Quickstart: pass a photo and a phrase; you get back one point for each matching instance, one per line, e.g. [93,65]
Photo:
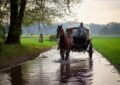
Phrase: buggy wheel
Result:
[90,51]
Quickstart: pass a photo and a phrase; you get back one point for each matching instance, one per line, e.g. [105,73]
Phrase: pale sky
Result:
[96,11]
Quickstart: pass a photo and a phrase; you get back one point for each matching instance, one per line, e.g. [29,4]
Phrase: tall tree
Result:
[17,8]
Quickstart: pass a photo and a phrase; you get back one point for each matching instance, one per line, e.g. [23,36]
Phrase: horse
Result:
[65,43]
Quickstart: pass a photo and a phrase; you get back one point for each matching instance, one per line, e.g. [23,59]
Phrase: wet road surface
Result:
[48,69]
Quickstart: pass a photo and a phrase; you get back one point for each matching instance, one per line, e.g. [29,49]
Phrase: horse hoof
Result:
[62,58]
[66,59]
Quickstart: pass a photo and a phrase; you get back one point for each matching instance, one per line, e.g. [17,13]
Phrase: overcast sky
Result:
[96,11]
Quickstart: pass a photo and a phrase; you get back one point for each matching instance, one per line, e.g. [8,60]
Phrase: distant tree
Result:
[104,31]
[114,28]
[111,29]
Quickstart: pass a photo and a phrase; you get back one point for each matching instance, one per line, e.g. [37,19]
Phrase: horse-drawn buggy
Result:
[75,41]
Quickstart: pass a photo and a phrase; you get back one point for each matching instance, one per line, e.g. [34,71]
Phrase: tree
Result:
[4,17]
[46,14]
[17,8]
[104,31]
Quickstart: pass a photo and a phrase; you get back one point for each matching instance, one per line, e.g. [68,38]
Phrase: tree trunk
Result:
[41,34]
[17,12]
[41,38]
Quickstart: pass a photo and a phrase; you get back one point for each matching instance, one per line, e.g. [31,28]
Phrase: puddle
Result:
[48,69]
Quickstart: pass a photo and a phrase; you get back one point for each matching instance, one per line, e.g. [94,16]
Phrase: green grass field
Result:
[29,46]
[109,47]
[34,42]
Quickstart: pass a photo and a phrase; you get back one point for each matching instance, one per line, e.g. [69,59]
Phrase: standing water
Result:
[48,69]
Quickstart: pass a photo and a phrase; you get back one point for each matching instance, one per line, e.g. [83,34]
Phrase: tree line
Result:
[110,29]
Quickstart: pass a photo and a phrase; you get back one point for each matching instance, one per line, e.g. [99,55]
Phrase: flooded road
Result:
[48,69]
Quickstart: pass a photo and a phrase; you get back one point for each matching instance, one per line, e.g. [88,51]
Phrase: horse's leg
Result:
[67,53]
[62,54]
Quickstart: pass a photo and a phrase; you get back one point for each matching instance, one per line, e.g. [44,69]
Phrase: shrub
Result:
[52,38]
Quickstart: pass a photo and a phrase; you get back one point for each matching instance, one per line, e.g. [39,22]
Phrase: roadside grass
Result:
[109,47]
[33,42]
[28,47]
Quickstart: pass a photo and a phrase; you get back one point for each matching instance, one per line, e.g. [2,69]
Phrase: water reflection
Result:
[16,76]
[74,72]
[79,73]
[64,72]
[79,70]
[90,64]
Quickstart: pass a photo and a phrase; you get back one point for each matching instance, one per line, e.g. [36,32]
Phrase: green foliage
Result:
[4,15]
[46,11]
[2,34]
[109,47]
[52,38]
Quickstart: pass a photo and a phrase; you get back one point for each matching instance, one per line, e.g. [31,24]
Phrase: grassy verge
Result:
[28,47]
[110,48]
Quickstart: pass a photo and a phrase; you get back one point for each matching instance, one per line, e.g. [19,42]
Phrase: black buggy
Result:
[81,43]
